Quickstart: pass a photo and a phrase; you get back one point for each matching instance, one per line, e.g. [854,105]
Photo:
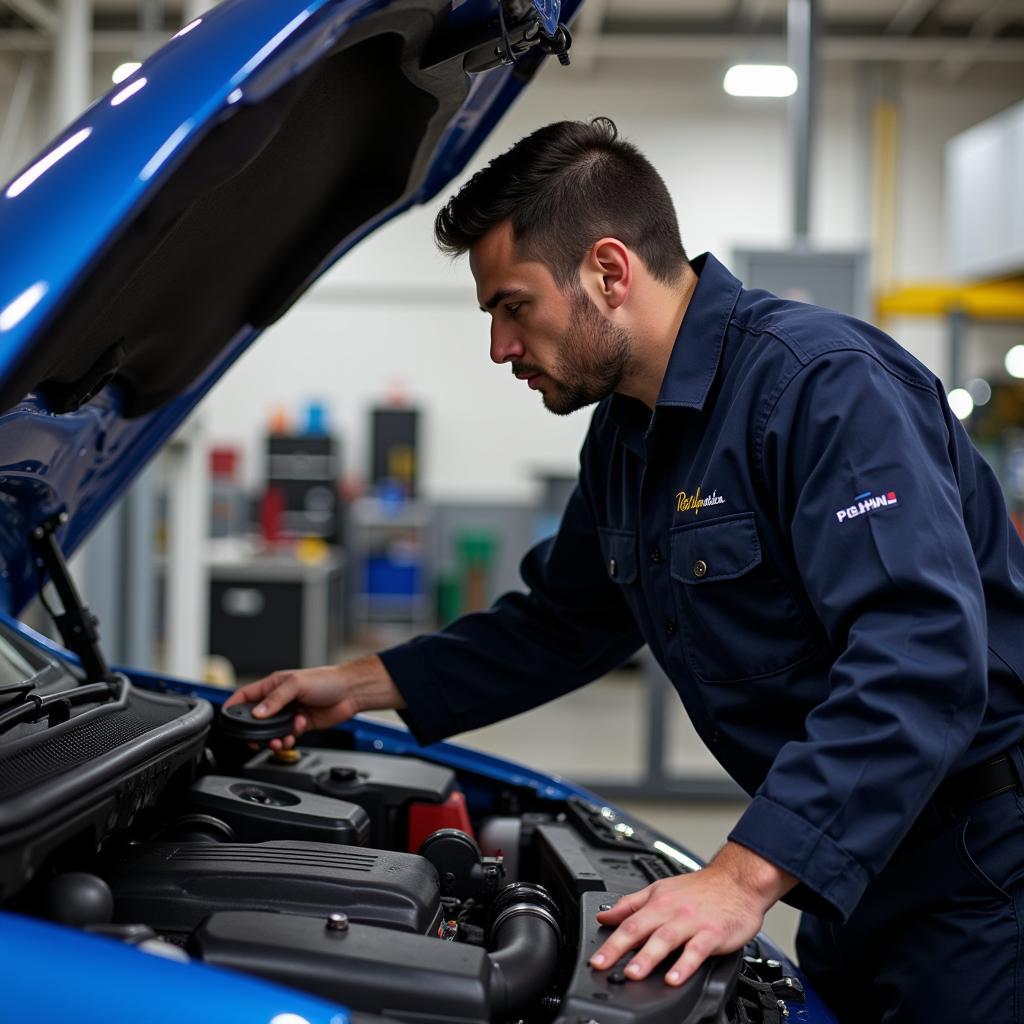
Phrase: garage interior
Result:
[364,473]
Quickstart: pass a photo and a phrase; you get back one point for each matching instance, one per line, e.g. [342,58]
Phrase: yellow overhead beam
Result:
[989,300]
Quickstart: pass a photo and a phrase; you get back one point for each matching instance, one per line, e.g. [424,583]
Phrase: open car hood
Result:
[191,206]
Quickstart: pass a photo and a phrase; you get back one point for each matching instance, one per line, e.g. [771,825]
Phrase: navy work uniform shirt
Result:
[817,556]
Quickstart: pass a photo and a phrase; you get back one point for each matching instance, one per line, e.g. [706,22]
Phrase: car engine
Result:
[388,884]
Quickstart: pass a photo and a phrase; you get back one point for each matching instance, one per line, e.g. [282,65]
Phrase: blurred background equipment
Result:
[305,467]
[275,612]
[389,546]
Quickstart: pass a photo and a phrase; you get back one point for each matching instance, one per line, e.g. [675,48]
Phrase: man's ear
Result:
[608,268]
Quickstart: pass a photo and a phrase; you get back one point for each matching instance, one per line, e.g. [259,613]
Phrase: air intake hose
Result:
[523,938]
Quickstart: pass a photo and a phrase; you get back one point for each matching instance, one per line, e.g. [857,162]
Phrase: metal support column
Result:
[100,579]
[139,576]
[186,578]
[72,62]
[151,28]
[802,48]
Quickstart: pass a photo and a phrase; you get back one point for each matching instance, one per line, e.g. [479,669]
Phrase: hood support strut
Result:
[77,625]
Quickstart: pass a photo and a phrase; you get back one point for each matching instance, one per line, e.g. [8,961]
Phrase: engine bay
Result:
[391,885]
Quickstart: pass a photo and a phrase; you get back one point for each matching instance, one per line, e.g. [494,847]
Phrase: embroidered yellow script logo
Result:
[694,502]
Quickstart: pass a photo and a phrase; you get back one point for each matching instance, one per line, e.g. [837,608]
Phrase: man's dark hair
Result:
[563,187]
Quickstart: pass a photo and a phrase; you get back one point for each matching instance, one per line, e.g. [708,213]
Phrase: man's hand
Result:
[716,910]
[326,696]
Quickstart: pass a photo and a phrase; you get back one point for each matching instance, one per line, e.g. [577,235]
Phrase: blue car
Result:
[153,865]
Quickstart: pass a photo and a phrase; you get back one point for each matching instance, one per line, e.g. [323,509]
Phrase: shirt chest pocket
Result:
[738,620]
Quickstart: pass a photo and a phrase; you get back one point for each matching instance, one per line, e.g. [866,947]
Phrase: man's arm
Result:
[326,695]
[897,588]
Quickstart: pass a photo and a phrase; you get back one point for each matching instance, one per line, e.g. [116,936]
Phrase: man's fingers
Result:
[698,949]
[631,934]
[662,942]
[277,698]
[610,952]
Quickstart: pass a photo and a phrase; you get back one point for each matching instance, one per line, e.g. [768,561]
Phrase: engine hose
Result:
[523,939]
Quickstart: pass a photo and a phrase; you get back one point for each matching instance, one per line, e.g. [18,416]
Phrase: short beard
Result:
[594,357]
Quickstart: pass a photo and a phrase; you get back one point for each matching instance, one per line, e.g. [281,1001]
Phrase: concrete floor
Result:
[598,732]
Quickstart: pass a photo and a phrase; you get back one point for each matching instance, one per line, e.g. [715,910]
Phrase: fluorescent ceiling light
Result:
[760,80]
[1015,361]
[961,403]
[123,71]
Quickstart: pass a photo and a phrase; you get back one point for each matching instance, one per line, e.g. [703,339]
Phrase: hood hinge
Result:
[514,32]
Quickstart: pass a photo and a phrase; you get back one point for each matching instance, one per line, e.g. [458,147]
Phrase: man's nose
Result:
[505,343]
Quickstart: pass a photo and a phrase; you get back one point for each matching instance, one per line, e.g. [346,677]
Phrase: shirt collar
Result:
[695,355]
[698,347]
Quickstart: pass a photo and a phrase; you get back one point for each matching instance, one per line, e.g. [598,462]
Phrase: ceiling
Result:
[947,33]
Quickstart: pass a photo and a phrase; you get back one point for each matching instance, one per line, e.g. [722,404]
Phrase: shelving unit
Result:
[392,578]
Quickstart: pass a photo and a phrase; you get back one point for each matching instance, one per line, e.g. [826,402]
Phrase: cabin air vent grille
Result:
[73,747]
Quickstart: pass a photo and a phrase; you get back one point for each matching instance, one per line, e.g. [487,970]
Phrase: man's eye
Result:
[512,308]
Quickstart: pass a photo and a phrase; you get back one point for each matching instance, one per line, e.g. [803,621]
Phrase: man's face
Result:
[558,342]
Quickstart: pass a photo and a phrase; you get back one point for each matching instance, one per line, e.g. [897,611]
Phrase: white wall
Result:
[395,312]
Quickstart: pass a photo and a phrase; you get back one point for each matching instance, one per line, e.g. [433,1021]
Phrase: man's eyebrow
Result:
[499,296]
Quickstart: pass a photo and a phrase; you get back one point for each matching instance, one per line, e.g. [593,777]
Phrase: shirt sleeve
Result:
[571,626]
[863,465]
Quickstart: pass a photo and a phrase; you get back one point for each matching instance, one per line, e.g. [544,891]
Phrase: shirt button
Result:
[613,568]
[716,737]
[656,555]
[670,627]
[700,568]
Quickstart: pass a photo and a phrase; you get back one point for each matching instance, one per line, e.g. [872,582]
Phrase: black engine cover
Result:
[173,886]
[258,811]
[415,978]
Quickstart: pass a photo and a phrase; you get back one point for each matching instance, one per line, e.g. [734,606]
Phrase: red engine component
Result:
[427,818]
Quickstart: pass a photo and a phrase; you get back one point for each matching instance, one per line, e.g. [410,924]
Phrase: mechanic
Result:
[777,499]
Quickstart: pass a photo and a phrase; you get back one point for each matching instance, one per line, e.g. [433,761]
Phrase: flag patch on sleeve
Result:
[865,503]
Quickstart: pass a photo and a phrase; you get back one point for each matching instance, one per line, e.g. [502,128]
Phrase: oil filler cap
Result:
[237,723]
